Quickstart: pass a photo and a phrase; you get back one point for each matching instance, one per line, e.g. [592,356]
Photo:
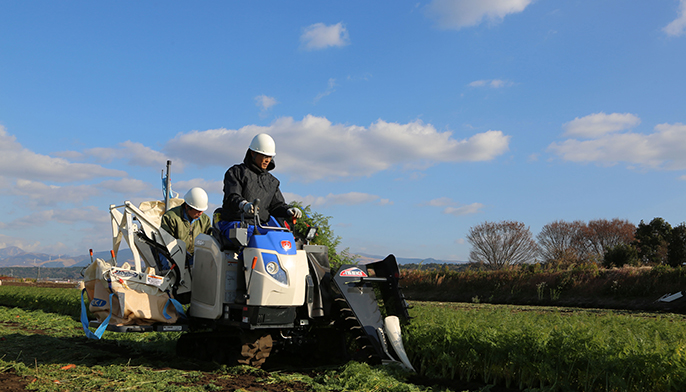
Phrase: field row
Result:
[550,349]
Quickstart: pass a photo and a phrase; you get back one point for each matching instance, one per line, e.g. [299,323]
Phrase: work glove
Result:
[295,212]
[247,207]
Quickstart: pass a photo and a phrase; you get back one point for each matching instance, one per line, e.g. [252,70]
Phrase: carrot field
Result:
[454,346]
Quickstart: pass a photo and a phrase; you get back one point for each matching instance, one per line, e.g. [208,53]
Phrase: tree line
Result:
[610,243]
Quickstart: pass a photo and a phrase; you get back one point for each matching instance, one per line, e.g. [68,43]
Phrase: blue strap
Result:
[172,194]
[177,306]
[84,320]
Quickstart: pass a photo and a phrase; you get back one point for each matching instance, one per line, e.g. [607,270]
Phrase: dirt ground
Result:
[10,381]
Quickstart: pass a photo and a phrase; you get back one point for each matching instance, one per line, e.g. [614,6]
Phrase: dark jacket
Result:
[248,182]
[176,223]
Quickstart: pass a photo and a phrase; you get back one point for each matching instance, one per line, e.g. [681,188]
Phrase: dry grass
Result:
[580,285]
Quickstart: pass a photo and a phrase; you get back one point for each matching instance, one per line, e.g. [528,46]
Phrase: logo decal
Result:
[124,273]
[286,245]
[97,302]
[353,272]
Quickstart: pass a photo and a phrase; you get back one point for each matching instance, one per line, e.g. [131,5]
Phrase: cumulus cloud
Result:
[320,36]
[678,25]
[88,214]
[126,186]
[314,148]
[451,207]
[40,194]
[18,162]
[22,243]
[458,14]
[136,154]
[209,186]
[598,124]
[664,148]
[350,198]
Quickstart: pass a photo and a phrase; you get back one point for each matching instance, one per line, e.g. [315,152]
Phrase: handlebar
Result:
[256,203]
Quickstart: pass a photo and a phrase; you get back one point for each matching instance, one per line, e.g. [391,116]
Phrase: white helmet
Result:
[263,144]
[196,198]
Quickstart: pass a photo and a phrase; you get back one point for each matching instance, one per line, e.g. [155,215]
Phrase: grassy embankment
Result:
[633,288]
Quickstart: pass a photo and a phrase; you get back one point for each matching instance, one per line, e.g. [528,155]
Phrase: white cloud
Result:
[136,154]
[458,14]
[598,124]
[18,162]
[209,186]
[677,26]
[38,193]
[314,148]
[320,36]
[126,186]
[464,210]
[265,103]
[7,241]
[220,147]
[330,89]
[350,198]
[441,202]
[140,155]
[492,83]
[88,214]
[454,208]
[665,148]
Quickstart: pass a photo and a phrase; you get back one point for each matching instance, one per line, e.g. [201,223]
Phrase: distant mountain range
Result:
[403,260]
[16,257]
[13,256]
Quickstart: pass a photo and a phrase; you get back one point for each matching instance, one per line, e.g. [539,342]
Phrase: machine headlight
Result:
[272,268]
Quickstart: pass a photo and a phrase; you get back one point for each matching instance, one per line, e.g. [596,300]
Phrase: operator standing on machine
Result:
[250,180]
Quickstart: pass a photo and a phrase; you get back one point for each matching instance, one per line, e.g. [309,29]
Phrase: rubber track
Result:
[365,352]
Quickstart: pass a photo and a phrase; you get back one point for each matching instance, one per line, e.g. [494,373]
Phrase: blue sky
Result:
[406,122]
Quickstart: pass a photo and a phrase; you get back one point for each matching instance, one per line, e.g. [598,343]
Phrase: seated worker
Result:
[250,180]
[187,221]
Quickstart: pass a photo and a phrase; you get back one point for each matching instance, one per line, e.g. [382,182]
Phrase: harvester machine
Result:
[262,292]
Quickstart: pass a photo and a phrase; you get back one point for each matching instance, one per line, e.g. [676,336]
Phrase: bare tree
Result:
[601,235]
[562,242]
[501,244]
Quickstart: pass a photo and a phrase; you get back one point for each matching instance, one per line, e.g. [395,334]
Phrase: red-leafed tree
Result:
[601,235]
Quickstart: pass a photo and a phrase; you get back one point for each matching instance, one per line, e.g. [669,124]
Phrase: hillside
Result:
[364,257]
[15,257]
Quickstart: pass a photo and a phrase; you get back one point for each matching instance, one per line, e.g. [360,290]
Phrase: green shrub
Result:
[620,255]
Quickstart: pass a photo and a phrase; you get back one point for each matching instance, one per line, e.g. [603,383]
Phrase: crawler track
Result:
[359,346]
